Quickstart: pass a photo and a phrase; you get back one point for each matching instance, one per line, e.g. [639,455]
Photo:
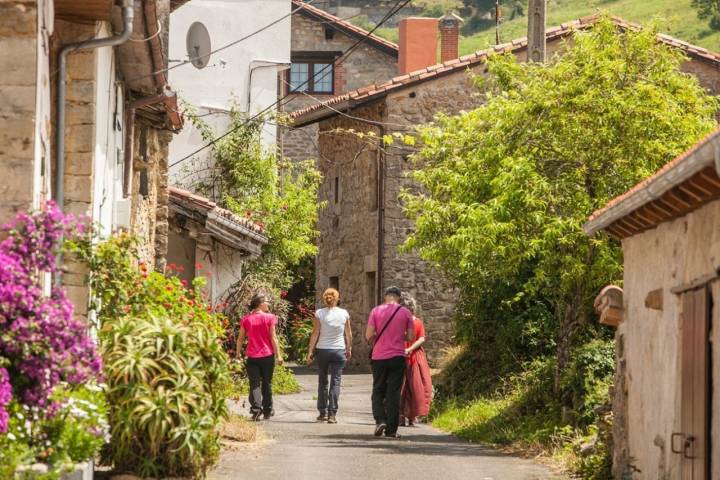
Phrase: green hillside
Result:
[679,20]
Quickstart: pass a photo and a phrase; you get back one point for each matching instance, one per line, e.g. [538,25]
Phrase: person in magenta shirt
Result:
[262,352]
[390,325]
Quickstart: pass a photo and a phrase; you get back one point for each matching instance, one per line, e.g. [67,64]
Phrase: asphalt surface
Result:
[298,448]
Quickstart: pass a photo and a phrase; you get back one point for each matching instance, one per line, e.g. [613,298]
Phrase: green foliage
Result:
[283,382]
[708,9]
[299,329]
[166,370]
[72,434]
[279,195]
[508,186]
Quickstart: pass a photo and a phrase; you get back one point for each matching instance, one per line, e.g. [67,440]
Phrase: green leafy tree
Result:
[253,181]
[708,9]
[508,186]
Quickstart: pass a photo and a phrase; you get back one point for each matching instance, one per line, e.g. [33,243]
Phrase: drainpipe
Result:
[381,219]
[262,64]
[130,132]
[128,14]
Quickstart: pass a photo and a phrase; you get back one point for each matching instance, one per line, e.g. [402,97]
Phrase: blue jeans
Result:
[332,362]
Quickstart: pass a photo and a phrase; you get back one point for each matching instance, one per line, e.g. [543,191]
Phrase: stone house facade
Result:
[359,242]
[319,38]
[118,115]
[666,396]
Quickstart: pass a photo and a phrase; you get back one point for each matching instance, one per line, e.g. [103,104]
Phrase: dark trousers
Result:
[388,377]
[260,372]
[330,361]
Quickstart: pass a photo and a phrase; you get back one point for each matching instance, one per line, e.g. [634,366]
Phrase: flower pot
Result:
[83,471]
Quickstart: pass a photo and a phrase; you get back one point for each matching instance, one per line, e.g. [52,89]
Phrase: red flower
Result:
[283,294]
[199,266]
[184,283]
[166,305]
[170,267]
[169,288]
[248,214]
[180,268]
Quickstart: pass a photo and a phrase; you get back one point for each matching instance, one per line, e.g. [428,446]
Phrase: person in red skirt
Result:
[416,393]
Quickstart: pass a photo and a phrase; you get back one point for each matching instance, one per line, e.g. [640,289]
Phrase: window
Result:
[336,190]
[334,283]
[313,72]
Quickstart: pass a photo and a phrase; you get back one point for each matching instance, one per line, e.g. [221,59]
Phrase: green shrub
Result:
[167,380]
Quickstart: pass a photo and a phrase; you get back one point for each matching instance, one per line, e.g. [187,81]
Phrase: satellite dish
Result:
[198,45]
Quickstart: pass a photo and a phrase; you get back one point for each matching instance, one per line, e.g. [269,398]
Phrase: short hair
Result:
[394,292]
[407,301]
[257,300]
[333,292]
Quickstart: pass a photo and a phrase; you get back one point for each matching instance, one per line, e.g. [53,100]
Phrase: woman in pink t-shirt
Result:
[262,351]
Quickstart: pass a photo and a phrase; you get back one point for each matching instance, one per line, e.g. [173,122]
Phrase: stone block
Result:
[78,188]
[79,296]
[81,91]
[79,138]
[18,19]
[79,163]
[16,138]
[17,100]
[17,190]
[79,113]
[81,66]
[78,208]
[18,61]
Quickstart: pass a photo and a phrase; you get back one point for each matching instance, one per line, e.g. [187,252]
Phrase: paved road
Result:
[300,449]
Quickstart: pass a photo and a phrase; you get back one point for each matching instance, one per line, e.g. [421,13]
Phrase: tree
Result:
[508,186]
[708,9]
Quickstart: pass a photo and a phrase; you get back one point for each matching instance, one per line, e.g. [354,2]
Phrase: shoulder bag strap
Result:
[386,324]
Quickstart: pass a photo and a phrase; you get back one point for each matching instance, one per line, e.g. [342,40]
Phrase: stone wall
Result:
[673,254]
[365,66]
[149,218]
[18,59]
[348,239]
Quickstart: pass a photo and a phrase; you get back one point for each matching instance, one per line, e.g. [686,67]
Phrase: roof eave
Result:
[707,155]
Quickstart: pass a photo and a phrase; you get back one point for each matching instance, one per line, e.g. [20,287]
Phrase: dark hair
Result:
[257,300]
[394,291]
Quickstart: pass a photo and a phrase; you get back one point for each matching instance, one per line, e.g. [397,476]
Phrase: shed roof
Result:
[345,27]
[223,225]
[346,101]
[686,183]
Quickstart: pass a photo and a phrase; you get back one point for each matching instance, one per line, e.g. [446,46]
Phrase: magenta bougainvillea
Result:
[5,397]
[40,341]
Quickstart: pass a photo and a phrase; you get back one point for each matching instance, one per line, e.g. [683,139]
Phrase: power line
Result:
[224,47]
[399,5]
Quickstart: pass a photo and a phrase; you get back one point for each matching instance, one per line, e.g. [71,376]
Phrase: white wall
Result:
[217,87]
[107,154]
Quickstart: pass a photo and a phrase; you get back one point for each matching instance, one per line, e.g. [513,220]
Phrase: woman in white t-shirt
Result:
[331,345]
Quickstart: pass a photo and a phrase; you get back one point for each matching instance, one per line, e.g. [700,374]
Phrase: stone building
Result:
[666,399]
[113,112]
[363,225]
[318,39]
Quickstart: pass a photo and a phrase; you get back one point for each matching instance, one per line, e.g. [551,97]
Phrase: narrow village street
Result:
[298,448]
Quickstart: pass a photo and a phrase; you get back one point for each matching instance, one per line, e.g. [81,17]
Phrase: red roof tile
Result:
[345,27]
[303,115]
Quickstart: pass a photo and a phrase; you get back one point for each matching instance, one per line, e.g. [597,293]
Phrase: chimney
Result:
[450,37]
[418,43]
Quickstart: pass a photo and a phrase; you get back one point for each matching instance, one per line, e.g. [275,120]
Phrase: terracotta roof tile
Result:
[459,64]
[345,26]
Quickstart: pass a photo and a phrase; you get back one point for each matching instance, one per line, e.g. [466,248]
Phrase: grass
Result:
[239,429]
[679,19]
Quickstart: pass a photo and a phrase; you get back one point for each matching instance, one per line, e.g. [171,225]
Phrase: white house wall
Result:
[223,83]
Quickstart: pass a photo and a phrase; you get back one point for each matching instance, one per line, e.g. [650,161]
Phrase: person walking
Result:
[331,345]
[262,352]
[416,393]
[390,325]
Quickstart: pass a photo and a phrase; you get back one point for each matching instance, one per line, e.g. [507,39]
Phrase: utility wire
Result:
[224,47]
[399,5]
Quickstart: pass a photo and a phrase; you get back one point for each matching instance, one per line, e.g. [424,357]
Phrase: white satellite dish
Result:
[198,45]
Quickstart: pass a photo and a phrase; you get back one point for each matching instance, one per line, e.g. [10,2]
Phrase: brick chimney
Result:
[418,43]
[450,37]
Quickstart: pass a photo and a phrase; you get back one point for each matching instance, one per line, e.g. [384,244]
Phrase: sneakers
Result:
[393,435]
[380,429]
[322,418]
[256,415]
[332,419]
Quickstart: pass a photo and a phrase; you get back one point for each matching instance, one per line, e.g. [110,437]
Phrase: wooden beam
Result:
[712,179]
[687,189]
[84,11]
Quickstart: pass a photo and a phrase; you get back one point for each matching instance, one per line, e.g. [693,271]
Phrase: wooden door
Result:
[693,442]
